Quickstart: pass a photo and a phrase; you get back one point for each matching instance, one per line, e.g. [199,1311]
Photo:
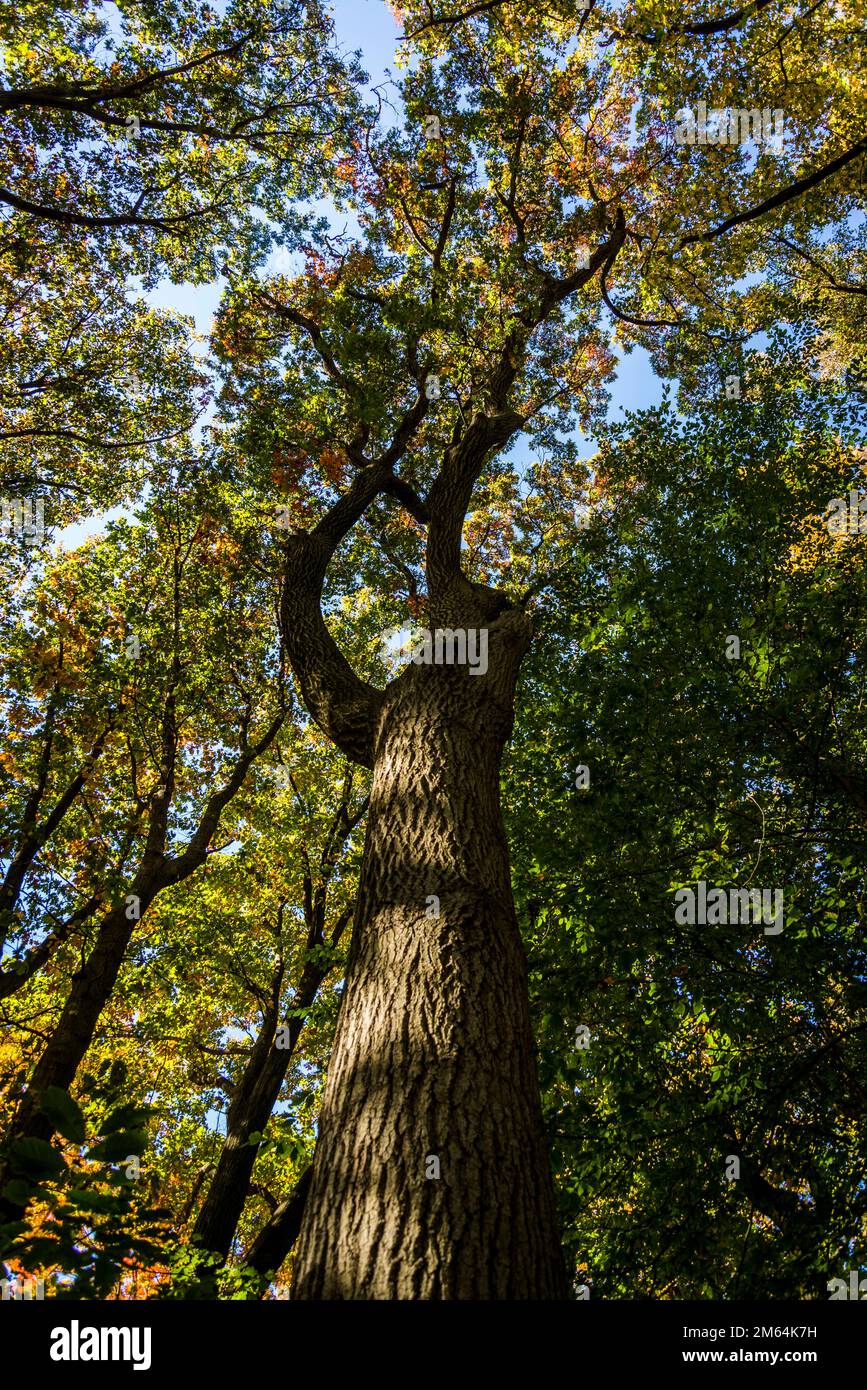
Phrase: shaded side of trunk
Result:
[431,1178]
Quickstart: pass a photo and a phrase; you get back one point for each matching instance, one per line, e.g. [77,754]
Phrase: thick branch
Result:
[129,218]
[280,1231]
[54,95]
[343,706]
[34,836]
[179,868]
[705,28]
[17,975]
[465,458]
[316,336]
[780,198]
[408,498]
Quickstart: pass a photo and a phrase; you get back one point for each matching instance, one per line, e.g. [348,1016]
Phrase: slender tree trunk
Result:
[280,1231]
[257,1093]
[249,1112]
[431,1178]
[93,983]
[91,988]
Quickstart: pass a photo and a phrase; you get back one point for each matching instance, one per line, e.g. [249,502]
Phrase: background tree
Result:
[697,767]
[119,626]
[138,142]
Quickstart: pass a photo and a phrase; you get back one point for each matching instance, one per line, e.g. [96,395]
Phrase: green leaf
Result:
[64,1114]
[126,1117]
[36,1159]
[43,1251]
[18,1192]
[92,1201]
[114,1147]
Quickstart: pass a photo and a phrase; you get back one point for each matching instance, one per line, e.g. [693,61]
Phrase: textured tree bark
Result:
[433,1068]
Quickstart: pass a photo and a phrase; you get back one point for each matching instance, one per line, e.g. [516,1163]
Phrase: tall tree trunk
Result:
[259,1086]
[431,1178]
[93,983]
[249,1112]
[91,988]
[57,1065]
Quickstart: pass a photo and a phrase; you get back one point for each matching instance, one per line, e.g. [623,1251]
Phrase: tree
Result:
[122,628]
[494,230]
[256,1091]
[129,152]
[670,1050]
[156,144]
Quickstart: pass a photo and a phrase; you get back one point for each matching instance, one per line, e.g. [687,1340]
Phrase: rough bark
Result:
[91,988]
[434,1054]
[62,1055]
